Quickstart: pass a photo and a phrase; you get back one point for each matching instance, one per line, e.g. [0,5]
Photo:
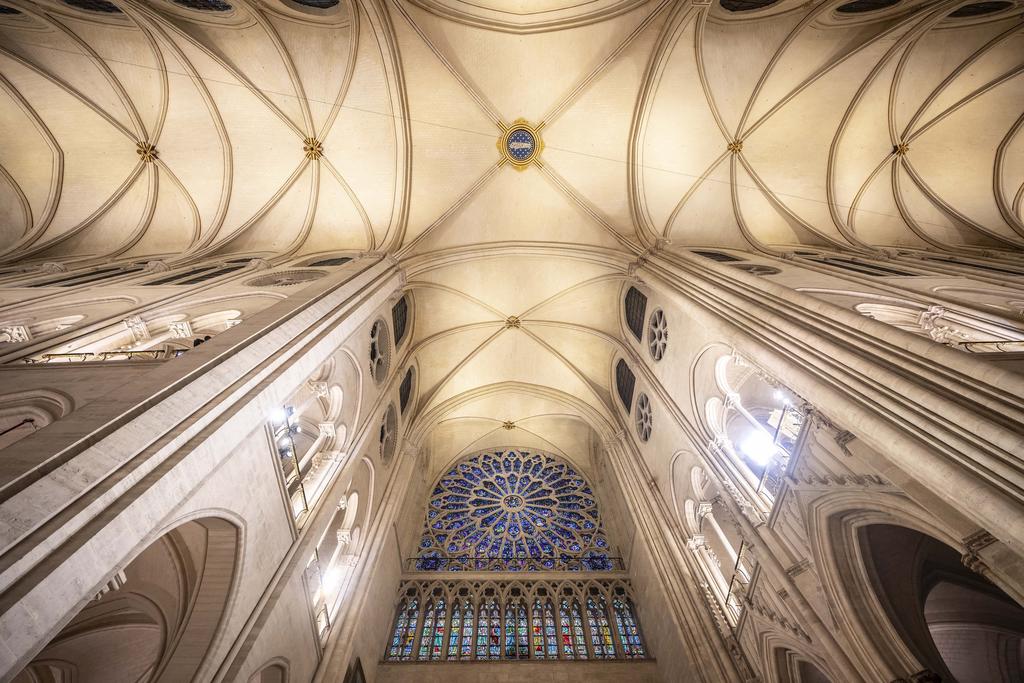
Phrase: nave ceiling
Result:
[273,130]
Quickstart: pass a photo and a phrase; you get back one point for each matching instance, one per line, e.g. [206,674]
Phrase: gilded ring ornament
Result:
[520,144]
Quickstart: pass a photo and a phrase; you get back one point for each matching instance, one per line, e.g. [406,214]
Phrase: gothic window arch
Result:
[746,5]
[94,6]
[625,383]
[400,319]
[861,6]
[405,389]
[388,434]
[178,589]
[626,624]
[756,269]
[719,256]
[600,629]
[515,620]
[516,630]
[87,277]
[979,9]
[513,509]
[1000,269]
[859,266]
[635,308]
[205,5]
[755,424]
[434,623]
[333,261]
[404,634]
[199,274]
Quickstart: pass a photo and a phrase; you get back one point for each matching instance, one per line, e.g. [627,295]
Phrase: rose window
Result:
[513,510]
[657,335]
[644,417]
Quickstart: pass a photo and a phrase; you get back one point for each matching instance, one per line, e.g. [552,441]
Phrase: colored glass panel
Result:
[538,630]
[600,630]
[629,634]
[513,510]
[550,631]
[466,650]
[455,632]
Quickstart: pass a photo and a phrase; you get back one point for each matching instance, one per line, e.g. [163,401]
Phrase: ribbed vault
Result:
[271,129]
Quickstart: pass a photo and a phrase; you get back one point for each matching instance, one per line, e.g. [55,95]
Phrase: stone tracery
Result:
[515,510]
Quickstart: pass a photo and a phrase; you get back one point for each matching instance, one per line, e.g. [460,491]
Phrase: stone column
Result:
[710,656]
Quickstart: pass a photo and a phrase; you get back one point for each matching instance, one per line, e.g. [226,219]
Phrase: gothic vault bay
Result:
[496,341]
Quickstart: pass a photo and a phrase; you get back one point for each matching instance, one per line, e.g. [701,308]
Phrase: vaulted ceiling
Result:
[155,130]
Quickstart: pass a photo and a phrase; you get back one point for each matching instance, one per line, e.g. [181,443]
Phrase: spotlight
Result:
[331,580]
[759,447]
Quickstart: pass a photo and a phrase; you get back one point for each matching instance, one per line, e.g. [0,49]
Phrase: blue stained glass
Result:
[521,144]
[510,505]
[629,634]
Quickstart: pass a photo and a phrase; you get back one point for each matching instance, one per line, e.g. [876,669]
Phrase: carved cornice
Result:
[973,545]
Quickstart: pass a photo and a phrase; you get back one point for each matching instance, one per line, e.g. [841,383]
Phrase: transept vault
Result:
[439,340]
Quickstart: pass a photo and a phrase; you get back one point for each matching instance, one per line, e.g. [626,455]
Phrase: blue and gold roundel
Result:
[521,144]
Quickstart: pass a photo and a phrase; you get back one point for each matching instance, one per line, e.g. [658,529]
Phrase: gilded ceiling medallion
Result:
[520,144]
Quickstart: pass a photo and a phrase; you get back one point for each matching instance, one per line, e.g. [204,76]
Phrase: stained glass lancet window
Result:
[600,630]
[466,649]
[517,619]
[455,632]
[550,631]
[516,643]
[488,631]
[513,510]
[574,641]
[432,640]
[629,634]
[405,631]
[538,629]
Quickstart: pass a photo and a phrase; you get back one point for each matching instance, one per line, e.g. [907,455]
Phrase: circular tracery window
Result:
[644,417]
[380,351]
[388,433]
[507,505]
[657,334]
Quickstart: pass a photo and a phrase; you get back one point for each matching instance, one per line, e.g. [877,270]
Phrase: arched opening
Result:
[955,622]
[155,620]
[24,413]
[272,673]
[791,668]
